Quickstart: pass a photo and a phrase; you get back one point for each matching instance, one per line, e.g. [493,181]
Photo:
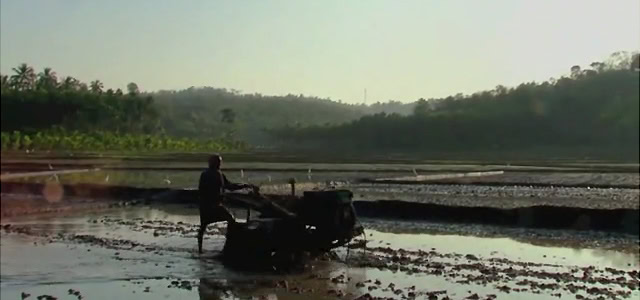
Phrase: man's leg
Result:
[201,231]
[220,213]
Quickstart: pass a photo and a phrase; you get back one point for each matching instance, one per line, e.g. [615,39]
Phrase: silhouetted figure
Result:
[211,187]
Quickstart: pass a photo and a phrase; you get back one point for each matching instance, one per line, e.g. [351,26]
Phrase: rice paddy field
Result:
[83,248]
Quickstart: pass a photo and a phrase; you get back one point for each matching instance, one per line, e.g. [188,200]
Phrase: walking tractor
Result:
[289,228]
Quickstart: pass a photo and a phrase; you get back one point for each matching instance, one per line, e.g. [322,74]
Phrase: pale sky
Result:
[401,50]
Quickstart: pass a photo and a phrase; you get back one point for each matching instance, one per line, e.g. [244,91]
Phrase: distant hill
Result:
[208,111]
[594,110]
[35,102]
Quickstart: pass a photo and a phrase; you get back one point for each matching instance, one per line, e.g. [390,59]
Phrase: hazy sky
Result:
[400,50]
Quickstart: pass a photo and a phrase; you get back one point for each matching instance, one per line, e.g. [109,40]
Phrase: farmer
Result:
[211,186]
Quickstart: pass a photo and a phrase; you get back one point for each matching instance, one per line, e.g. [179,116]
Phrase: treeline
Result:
[110,141]
[42,111]
[34,102]
[594,107]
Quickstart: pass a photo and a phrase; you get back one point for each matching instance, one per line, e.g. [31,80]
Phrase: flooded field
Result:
[150,252]
[182,170]
[91,249]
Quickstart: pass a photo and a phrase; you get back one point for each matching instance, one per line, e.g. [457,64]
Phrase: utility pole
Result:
[365,96]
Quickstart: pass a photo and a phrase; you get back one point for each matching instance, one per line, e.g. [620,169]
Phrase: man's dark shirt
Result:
[212,183]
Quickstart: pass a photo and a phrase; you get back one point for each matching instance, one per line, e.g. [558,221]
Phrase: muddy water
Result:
[150,253]
[507,248]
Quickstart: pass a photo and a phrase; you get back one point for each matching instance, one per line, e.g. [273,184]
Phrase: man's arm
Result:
[228,185]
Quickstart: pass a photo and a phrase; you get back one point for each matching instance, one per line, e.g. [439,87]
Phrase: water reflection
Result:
[617,259]
[208,291]
[506,247]
[443,237]
[558,246]
[172,256]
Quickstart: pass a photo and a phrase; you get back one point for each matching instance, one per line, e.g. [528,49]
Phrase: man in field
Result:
[211,187]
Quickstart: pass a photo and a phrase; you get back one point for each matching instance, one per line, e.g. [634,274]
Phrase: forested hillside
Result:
[593,108]
[208,111]
[44,112]
[35,102]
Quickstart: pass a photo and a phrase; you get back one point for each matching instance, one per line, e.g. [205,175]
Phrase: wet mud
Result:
[500,196]
[115,234]
[551,217]
[141,252]
[614,211]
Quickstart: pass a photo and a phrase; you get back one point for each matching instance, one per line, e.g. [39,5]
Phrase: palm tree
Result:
[4,82]
[96,86]
[47,80]
[70,84]
[132,89]
[228,115]
[83,87]
[24,79]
